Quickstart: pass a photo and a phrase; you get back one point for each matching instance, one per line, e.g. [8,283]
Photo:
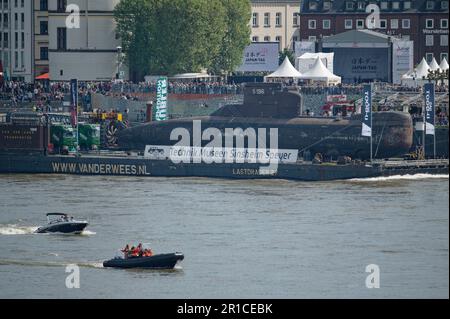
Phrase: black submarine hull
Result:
[332,137]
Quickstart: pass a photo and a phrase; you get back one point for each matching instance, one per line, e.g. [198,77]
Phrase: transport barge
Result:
[140,166]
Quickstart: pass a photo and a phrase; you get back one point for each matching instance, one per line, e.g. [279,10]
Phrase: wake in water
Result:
[7,262]
[17,230]
[400,177]
[9,230]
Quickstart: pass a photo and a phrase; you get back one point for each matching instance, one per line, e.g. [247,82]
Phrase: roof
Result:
[285,70]
[340,7]
[444,64]
[360,36]
[320,72]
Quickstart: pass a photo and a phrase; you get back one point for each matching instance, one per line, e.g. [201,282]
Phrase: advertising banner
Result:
[74,101]
[367,111]
[430,109]
[161,99]
[260,57]
[402,59]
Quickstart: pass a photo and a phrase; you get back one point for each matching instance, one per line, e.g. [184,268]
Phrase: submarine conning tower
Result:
[266,100]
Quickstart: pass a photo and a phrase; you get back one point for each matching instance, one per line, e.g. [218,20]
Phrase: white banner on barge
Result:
[188,154]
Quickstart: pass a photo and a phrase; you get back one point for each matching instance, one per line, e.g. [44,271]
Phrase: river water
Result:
[241,239]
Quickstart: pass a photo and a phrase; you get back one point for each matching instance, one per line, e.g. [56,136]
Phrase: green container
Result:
[89,137]
[63,136]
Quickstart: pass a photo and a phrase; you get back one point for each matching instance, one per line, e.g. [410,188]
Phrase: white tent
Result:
[285,70]
[444,65]
[319,72]
[305,62]
[417,76]
[434,65]
[421,70]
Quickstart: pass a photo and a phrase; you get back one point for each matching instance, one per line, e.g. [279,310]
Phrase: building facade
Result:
[83,42]
[276,21]
[425,22]
[41,39]
[16,39]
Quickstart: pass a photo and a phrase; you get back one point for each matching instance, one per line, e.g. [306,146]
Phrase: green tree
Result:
[175,36]
[286,53]
[236,37]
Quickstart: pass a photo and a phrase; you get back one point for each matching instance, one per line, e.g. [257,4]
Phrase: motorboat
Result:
[162,261]
[62,223]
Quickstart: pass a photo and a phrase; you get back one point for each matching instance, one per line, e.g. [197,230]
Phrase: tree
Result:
[286,53]
[175,36]
[236,37]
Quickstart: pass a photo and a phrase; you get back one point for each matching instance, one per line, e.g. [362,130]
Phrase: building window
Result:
[312,5]
[429,40]
[444,40]
[6,4]
[429,23]
[266,38]
[43,27]
[295,19]
[255,20]
[255,39]
[22,3]
[444,23]
[22,41]
[5,21]
[278,19]
[348,23]
[361,5]
[16,21]
[429,57]
[384,5]
[407,5]
[430,5]
[22,21]
[444,5]
[326,24]
[22,59]
[61,6]
[360,23]
[406,23]
[349,5]
[444,55]
[43,5]
[383,23]
[312,38]
[16,59]
[394,24]
[267,19]
[278,39]
[16,40]
[312,24]
[44,53]
[5,40]
[395,5]
[326,5]
[61,39]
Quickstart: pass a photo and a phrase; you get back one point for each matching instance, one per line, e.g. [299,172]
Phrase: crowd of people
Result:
[138,251]
[43,93]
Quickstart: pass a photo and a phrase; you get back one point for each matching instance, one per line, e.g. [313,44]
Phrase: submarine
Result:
[272,106]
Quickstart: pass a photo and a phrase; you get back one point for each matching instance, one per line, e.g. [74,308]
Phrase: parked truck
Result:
[63,137]
[89,136]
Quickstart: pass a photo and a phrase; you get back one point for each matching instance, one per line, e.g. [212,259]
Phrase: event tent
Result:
[444,64]
[285,70]
[319,72]
[434,66]
[305,62]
